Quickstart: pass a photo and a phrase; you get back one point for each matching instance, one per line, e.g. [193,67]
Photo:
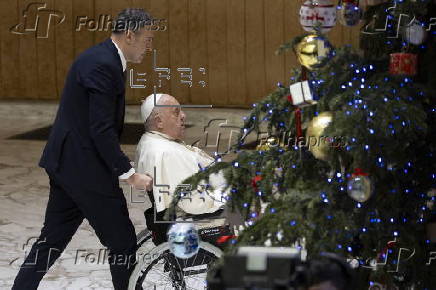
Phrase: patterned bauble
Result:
[183,240]
[318,12]
[313,51]
[359,186]
[348,13]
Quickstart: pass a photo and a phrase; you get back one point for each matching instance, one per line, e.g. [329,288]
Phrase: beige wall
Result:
[234,40]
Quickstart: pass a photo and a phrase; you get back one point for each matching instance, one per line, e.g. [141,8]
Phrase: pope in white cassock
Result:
[162,153]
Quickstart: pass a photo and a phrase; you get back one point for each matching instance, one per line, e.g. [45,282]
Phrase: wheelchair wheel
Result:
[158,268]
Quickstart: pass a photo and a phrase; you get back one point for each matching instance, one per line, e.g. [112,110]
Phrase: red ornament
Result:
[297,113]
[254,181]
[225,239]
[359,172]
[403,64]
[298,123]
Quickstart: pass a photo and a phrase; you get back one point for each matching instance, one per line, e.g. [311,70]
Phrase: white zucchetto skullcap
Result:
[148,105]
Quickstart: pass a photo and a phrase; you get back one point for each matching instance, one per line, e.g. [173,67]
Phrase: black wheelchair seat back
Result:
[218,236]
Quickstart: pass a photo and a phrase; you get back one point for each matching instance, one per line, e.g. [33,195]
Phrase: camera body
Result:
[259,268]
[267,268]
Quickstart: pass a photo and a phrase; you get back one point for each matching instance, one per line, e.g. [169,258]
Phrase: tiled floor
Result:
[24,195]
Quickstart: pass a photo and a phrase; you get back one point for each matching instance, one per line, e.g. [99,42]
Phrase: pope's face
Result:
[139,43]
[172,118]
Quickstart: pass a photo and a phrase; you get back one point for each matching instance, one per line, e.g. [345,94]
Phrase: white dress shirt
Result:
[121,54]
[175,161]
[129,173]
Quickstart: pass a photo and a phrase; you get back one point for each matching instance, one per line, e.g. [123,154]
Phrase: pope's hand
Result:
[141,181]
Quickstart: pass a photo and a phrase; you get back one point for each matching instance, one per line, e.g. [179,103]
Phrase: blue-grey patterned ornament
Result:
[183,240]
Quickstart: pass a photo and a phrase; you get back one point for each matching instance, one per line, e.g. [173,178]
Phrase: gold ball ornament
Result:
[267,144]
[315,131]
[313,51]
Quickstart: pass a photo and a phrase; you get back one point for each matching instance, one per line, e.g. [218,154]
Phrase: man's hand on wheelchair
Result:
[141,181]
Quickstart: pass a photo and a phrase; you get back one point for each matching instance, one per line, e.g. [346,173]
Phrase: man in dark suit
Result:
[83,158]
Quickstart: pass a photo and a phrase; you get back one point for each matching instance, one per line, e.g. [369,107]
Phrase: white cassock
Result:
[170,162]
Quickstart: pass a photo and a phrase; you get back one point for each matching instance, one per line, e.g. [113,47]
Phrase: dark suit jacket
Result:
[83,150]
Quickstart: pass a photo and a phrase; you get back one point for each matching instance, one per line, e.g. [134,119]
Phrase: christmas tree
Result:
[348,165]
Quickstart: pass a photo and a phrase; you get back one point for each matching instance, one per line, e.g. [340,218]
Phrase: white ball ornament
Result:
[359,186]
[415,33]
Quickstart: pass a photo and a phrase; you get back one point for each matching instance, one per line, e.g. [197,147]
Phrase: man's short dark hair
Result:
[330,267]
[131,19]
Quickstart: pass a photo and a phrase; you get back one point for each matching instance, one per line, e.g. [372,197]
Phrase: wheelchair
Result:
[157,268]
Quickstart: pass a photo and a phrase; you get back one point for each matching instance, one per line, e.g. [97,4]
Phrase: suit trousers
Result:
[107,214]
